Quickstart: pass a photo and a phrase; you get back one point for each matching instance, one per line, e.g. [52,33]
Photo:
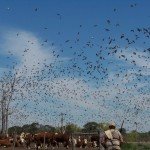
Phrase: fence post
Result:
[99,139]
[44,141]
[14,141]
[73,146]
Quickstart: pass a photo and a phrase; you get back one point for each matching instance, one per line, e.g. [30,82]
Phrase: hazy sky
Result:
[76,37]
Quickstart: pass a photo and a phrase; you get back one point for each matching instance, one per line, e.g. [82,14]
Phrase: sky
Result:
[88,59]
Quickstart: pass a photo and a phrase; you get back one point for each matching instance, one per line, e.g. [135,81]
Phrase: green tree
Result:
[47,128]
[71,128]
[34,127]
[91,127]
[26,128]
[15,129]
[31,128]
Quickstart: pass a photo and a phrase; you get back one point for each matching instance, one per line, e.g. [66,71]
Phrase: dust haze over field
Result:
[88,60]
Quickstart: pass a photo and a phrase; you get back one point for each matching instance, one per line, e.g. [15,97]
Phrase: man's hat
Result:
[112,124]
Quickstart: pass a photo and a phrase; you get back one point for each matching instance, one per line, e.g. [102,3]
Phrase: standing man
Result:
[112,138]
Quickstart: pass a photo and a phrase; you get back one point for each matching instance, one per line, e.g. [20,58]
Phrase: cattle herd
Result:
[49,140]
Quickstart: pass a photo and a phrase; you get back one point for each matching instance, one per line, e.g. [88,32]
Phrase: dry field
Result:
[21,148]
[50,148]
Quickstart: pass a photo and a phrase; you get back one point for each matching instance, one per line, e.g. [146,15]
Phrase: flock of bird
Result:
[102,79]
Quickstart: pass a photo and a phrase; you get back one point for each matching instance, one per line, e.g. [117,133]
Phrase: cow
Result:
[74,142]
[8,141]
[26,139]
[22,138]
[63,138]
[81,142]
[95,140]
[3,137]
[5,143]
[43,138]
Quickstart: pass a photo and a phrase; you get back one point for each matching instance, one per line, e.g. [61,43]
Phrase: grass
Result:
[136,146]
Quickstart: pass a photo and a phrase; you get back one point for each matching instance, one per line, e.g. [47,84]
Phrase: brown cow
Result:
[28,139]
[42,137]
[62,138]
[25,139]
[5,142]
[81,142]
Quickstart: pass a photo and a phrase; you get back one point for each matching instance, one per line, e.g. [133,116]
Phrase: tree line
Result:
[132,136]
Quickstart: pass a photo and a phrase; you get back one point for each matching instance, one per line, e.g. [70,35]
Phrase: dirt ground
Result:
[50,148]
[21,148]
